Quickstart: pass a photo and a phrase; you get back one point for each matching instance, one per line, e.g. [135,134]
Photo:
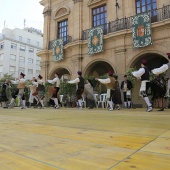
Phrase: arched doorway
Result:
[64,73]
[154,61]
[98,68]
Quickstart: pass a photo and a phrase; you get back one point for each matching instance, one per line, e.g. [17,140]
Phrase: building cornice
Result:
[75,1]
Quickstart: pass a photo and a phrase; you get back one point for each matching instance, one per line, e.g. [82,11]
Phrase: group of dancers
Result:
[85,88]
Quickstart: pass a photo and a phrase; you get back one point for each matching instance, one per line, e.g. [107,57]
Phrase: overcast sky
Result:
[13,13]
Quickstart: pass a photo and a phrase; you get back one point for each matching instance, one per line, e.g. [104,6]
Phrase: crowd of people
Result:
[85,89]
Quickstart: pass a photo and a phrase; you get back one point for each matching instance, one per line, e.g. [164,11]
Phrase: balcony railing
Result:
[66,40]
[126,23]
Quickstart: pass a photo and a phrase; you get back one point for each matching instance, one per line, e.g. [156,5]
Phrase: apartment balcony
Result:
[126,23]
[66,40]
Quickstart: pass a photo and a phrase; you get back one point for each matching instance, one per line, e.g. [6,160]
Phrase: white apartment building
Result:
[18,48]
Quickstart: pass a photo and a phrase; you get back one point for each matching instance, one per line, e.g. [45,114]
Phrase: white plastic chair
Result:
[102,100]
[83,102]
[61,99]
[95,99]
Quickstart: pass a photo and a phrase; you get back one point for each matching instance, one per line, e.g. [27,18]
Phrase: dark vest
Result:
[81,82]
[145,76]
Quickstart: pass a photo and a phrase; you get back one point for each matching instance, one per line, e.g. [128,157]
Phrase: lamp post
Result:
[117,6]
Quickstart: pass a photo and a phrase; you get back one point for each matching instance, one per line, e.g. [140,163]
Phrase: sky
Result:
[13,13]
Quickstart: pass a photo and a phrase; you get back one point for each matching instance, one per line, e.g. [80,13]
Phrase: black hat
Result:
[40,77]
[22,74]
[79,73]
[144,62]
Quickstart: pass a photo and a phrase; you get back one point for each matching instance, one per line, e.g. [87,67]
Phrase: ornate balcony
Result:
[66,40]
[126,23]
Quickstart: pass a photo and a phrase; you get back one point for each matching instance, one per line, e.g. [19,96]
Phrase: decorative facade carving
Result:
[47,12]
[75,1]
[61,12]
[91,2]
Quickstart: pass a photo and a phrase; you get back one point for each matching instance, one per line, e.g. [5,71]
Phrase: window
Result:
[22,60]
[30,71]
[22,48]
[37,72]
[31,50]
[12,69]
[1,68]
[99,16]
[30,60]
[63,30]
[12,57]
[28,40]
[13,46]
[37,62]
[2,46]
[146,6]
[20,38]
[38,44]
[21,70]
[1,57]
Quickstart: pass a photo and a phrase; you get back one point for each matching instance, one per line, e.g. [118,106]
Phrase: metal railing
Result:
[126,23]
[66,40]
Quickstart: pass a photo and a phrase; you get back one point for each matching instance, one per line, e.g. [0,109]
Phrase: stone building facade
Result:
[118,54]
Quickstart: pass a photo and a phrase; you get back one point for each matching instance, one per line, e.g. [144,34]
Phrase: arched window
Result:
[146,6]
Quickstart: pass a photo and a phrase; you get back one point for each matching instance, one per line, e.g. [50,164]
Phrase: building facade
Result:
[18,48]
[71,21]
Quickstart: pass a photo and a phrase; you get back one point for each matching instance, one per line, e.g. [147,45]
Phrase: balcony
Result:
[126,23]
[66,40]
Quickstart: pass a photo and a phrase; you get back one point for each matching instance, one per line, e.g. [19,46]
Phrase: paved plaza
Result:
[71,139]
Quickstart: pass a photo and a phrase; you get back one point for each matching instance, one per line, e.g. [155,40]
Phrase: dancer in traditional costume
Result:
[126,87]
[56,82]
[143,74]
[4,95]
[110,85]
[41,91]
[20,92]
[158,87]
[33,91]
[80,88]
[162,69]
[89,95]
[117,101]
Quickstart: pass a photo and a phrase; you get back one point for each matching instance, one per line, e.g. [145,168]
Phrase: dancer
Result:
[41,91]
[117,101]
[80,88]
[126,87]
[33,91]
[110,85]
[143,74]
[20,92]
[162,69]
[56,82]
[4,95]
[88,93]
[158,87]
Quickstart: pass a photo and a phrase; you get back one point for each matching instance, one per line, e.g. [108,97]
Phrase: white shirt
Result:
[21,80]
[40,82]
[139,73]
[104,81]
[160,70]
[55,80]
[77,80]
[35,83]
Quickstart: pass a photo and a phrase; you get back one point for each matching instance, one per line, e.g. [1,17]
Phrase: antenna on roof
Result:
[4,23]
[24,22]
